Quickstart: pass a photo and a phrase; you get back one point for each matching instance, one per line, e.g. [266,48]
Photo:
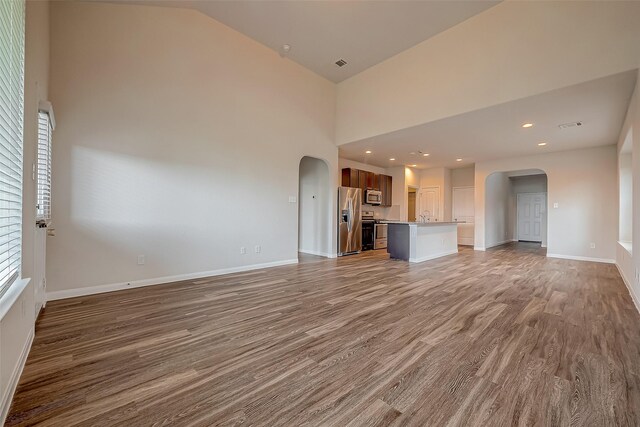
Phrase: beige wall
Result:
[629,263]
[17,325]
[178,139]
[496,217]
[314,199]
[463,177]
[583,183]
[491,58]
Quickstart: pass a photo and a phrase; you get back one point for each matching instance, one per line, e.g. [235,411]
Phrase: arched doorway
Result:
[314,207]
[516,207]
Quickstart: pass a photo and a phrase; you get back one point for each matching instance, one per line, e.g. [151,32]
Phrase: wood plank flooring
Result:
[505,337]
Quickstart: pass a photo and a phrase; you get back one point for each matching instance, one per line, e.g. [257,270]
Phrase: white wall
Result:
[583,183]
[491,58]
[627,259]
[314,219]
[497,189]
[179,139]
[17,325]
[525,184]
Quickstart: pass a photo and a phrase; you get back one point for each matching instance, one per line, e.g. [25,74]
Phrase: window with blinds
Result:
[45,128]
[11,122]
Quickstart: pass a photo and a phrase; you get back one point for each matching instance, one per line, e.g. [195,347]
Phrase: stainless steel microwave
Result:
[373,197]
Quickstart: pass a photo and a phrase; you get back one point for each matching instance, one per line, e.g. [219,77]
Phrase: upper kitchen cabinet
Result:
[366,180]
[350,178]
[386,189]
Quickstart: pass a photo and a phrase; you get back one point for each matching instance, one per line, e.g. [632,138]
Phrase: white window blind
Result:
[11,122]
[45,129]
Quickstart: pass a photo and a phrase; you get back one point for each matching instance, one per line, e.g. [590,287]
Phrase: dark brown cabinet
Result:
[366,180]
[386,189]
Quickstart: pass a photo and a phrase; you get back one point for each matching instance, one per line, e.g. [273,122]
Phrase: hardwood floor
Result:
[505,337]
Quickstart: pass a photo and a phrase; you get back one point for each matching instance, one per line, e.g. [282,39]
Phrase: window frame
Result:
[12,46]
[43,213]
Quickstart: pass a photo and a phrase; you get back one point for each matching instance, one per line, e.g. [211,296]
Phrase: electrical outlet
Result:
[141,259]
[593,245]
[243,250]
[258,249]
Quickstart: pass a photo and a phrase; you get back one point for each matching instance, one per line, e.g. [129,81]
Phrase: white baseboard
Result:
[91,290]
[429,257]
[323,254]
[15,377]
[465,241]
[634,297]
[479,248]
[581,258]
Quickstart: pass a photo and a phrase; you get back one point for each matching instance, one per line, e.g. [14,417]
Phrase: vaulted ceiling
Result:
[363,33]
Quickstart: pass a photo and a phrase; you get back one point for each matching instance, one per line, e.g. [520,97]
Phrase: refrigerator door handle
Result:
[350,216]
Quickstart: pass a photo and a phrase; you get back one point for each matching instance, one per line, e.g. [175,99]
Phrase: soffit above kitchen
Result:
[320,33]
[584,115]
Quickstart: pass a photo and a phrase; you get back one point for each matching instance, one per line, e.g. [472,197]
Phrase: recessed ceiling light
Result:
[458,160]
[392,159]
[368,152]
[413,152]
[425,154]
[413,166]
[542,144]
[527,125]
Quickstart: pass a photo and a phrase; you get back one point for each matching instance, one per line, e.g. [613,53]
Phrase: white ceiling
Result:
[496,132]
[363,33]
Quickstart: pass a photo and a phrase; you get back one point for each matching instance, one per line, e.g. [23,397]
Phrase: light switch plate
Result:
[555,205]
[292,199]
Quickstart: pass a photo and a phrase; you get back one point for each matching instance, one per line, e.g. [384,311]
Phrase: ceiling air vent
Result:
[341,62]
[569,125]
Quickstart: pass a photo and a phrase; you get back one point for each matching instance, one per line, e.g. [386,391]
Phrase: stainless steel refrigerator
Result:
[349,221]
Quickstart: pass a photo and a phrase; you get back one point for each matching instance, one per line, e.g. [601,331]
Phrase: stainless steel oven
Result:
[380,236]
[368,231]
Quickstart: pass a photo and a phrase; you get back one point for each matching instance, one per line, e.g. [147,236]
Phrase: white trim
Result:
[634,297]
[324,254]
[91,290]
[627,246]
[479,248]
[48,108]
[429,257]
[11,295]
[15,377]
[581,258]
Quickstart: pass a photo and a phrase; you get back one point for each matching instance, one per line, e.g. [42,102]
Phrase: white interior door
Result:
[531,208]
[429,203]
[463,204]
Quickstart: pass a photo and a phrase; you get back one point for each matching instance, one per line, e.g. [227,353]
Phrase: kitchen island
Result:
[421,241]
